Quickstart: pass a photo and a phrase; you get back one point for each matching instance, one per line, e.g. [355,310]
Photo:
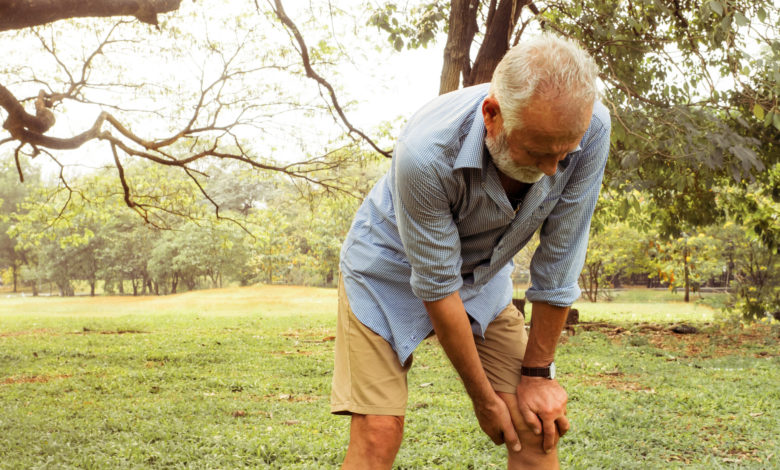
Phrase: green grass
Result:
[650,305]
[240,378]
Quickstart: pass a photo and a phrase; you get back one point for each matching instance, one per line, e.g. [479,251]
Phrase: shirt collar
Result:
[471,150]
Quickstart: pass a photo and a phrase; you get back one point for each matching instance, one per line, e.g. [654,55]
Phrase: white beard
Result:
[499,150]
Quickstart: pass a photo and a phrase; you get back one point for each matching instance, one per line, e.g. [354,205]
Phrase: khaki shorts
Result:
[368,379]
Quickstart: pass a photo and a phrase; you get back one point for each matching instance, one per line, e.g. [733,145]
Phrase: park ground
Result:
[240,378]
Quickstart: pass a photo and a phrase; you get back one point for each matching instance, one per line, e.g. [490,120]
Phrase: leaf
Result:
[758,111]
[768,118]
[776,120]
[630,160]
[398,43]
[761,14]
[716,7]
[740,18]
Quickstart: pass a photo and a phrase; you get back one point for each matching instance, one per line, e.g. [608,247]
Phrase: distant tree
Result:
[755,250]
[123,256]
[615,251]
[12,193]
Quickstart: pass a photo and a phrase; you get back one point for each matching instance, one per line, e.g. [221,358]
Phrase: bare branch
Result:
[18,118]
[18,164]
[304,52]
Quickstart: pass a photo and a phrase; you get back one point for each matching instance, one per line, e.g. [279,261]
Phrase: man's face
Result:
[549,132]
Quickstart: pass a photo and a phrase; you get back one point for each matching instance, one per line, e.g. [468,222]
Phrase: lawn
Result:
[240,378]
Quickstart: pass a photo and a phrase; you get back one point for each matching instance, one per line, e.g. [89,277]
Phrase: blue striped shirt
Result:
[439,222]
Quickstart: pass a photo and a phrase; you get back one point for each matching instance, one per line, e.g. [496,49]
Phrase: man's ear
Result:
[491,113]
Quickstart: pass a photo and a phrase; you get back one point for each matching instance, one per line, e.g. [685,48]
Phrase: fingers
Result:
[563,425]
[550,435]
[532,420]
[510,435]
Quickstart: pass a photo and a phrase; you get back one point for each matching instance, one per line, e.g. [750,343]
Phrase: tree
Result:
[123,256]
[615,251]
[12,193]
[229,97]
[675,129]
[754,249]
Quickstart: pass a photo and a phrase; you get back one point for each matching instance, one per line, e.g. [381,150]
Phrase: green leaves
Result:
[716,7]
[761,13]
[414,28]
[740,18]
[758,112]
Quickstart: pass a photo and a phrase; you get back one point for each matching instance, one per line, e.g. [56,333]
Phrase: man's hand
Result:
[453,330]
[542,405]
[494,419]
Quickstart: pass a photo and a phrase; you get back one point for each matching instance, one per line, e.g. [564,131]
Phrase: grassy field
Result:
[240,378]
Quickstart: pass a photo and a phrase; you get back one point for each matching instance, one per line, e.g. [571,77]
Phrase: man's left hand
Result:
[542,405]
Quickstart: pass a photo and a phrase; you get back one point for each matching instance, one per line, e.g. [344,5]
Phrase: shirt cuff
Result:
[561,297]
[431,291]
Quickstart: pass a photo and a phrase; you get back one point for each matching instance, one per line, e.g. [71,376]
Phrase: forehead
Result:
[550,126]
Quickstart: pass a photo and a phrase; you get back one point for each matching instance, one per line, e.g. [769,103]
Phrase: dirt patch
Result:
[617,381]
[29,379]
[297,352]
[89,331]
[293,398]
[708,341]
[322,335]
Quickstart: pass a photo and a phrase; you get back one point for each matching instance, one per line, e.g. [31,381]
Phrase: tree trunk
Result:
[92,288]
[498,32]
[462,28]
[121,286]
[14,269]
[134,283]
[18,14]
[687,275]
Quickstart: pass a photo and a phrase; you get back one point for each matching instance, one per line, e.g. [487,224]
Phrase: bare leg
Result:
[373,441]
[532,456]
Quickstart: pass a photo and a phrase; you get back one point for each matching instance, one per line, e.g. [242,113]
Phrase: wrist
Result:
[544,372]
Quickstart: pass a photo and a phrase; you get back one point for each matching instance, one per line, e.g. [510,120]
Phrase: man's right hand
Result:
[453,329]
[494,419]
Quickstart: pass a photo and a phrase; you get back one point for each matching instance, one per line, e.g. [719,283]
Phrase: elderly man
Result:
[475,173]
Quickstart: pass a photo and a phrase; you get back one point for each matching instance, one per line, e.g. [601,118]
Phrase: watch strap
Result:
[545,372]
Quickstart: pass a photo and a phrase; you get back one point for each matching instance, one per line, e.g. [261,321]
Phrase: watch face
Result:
[552,370]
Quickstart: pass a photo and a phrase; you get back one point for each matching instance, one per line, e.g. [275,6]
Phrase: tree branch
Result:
[304,52]
[18,14]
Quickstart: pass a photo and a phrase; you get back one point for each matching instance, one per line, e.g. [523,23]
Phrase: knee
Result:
[532,455]
[383,430]
[380,434]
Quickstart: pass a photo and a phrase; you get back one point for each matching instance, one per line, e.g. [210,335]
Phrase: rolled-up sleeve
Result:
[558,261]
[425,225]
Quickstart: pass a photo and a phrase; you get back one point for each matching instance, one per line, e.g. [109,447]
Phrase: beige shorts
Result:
[368,379]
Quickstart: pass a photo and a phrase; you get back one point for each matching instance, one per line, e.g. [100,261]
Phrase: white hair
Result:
[544,66]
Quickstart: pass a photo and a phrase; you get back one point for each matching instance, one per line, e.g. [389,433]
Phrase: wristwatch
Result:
[544,372]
